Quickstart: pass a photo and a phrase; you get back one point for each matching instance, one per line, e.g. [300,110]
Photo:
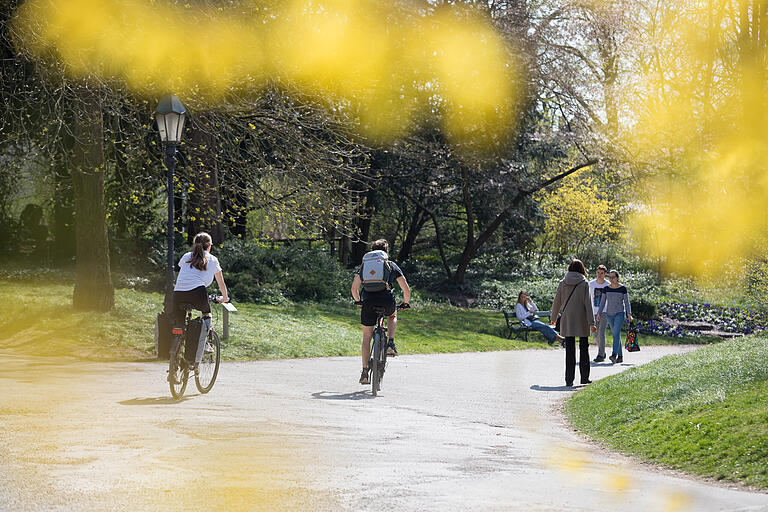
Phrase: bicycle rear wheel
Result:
[375,380]
[177,369]
[209,366]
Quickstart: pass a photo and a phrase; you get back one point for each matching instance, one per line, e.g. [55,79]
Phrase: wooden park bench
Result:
[516,328]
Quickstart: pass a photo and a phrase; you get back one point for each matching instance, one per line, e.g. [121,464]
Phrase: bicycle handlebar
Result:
[402,305]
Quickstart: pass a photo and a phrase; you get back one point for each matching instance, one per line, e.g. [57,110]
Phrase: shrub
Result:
[261,274]
[644,308]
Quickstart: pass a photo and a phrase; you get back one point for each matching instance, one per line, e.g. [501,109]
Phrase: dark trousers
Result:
[197,297]
[570,359]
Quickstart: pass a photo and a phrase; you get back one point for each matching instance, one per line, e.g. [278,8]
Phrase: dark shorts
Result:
[368,316]
[197,297]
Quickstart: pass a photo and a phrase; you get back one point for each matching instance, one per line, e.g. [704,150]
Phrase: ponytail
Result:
[202,243]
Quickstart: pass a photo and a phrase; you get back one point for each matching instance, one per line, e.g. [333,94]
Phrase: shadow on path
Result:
[154,401]
[609,364]
[536,387]
[357,395]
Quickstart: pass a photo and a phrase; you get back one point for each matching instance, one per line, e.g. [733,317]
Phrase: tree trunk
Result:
[473,245]
[469,247]
[417,222]
[438,233]
[93,280]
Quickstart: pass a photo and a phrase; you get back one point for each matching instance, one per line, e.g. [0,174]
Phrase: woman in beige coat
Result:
[572,302]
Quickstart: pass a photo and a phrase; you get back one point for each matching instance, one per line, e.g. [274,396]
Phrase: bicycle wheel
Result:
[382,362]
[209,366]
[375,381]
[177,369]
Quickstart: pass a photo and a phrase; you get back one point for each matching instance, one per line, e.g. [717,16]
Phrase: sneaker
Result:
[208,348]
[620,359]
[391,349]
[599,359]
[612,358]
[364,377]
[176,375]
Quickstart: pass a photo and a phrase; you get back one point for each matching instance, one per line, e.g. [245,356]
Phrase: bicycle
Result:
[378,360]
[179,368]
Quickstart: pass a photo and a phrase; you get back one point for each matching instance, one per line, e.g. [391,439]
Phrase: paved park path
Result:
[475,431]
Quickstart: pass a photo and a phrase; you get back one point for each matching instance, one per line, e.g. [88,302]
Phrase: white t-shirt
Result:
[595,297]
[191,278]
[522,313]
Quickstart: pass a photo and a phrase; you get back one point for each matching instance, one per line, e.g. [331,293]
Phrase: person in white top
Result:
[198,268]
[595,294]
[525,310]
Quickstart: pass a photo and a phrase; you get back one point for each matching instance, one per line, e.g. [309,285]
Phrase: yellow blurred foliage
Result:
[701,129]
[567,460]
[388,65]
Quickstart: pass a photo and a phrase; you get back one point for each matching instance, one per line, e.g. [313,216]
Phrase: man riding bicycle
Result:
[376,276]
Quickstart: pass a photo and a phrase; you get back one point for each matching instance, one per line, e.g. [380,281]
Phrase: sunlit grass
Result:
[705,412]
[41,320]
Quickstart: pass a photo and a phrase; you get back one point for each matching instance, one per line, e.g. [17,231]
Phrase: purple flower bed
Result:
[726,319]
[663,329]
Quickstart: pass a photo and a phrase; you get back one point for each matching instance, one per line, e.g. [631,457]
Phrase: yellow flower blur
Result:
[701,129]
[390,67]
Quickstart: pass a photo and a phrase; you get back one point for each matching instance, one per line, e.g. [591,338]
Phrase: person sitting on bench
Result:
[525,310]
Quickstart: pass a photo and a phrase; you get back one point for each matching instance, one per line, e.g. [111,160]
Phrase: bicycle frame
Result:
[179,368]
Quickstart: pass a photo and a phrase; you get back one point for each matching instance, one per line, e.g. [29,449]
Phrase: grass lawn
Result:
[704,412]
[40,320]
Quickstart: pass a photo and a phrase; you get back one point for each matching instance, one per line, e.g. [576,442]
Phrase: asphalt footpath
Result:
[470,431]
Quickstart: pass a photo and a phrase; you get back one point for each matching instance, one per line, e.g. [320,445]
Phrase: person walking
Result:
[525,311]
[613,305]
[595,294]
[576,319]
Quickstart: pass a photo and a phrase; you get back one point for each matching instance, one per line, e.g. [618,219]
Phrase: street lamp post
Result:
[170,115]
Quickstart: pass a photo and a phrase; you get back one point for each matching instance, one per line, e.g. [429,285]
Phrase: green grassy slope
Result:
[704,412]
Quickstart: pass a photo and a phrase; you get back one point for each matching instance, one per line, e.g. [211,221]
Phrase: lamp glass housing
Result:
[170,116]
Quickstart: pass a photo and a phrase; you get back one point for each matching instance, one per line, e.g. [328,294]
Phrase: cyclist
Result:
[198,269]
[376,282]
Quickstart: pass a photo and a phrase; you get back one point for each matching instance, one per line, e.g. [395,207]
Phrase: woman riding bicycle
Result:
[198,268]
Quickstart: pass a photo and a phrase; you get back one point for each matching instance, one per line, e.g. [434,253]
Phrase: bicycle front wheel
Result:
[209,366]
[177,369]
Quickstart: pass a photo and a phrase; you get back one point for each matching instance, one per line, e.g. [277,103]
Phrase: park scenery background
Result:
[490,143]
